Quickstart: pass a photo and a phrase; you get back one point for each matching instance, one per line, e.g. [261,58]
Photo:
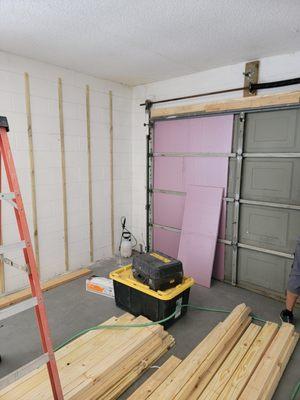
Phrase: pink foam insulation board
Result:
[166,241]
[199,232]
[203,135]
[169,210]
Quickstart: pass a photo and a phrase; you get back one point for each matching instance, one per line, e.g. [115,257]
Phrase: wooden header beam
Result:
[279,99]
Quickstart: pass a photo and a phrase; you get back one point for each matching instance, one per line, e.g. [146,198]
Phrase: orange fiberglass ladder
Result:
[37,300]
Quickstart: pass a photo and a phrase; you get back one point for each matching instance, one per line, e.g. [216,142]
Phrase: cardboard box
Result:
[99,285]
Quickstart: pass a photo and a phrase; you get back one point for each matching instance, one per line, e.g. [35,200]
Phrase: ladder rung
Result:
[11,247]
[17,308]
[24,370]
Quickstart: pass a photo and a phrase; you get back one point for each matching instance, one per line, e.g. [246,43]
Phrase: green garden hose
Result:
[294,394]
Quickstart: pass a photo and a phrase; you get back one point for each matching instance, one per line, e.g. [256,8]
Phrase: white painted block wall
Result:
[271,68]
[46,137]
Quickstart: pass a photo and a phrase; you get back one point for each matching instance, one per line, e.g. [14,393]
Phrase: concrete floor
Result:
[70,309]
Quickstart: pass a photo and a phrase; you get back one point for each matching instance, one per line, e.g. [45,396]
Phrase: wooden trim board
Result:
[63,171]
[32,171]
[111,144]
[24,294]
[279,99]
[90,196]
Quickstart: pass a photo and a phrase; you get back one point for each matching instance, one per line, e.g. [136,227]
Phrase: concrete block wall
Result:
[271,68]
[47,154]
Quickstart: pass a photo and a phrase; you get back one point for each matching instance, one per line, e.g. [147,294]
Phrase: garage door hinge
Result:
[242,117]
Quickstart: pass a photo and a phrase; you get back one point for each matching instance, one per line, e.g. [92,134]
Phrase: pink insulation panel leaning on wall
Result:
[210,136]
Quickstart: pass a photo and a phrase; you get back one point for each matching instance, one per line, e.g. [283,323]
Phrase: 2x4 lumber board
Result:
[274,381]
[65,357]
[24,294]
[116,363]
[2,276]
[280,99]
[144,391]
[77,374]
[131,377]
[90,185]
[32,170]
[112,192]
[243,373]
[223,375]
[211,371]
[221,344]
[196,359]
[63,171]
[128,376]
[266,368]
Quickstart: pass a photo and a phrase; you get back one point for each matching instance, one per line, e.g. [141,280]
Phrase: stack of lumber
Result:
[100,364]
[237,360]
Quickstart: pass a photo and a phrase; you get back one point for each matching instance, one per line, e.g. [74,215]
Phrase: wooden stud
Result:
[88,131]
[246,103]
[181,383]
[283,361]
[63,171]
[211,371]
[251,76]
[144,391]
[111,141]
[32,171]
[266,368]
[243,373]
[222,376]
[2,277]
[24,294]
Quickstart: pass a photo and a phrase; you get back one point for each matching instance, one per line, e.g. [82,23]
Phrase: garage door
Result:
[265,222]
[263,197]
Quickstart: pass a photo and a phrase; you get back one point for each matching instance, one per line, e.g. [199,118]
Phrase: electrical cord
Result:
[255,317]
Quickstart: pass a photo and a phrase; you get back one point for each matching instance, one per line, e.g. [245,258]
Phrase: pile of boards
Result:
[237,360]
[100,364]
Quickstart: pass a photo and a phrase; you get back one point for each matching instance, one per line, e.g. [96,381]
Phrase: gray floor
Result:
[70,309]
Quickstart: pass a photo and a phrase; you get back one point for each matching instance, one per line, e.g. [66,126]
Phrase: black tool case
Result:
[157,270]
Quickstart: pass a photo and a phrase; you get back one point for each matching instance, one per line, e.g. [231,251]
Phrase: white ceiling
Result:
[141,41]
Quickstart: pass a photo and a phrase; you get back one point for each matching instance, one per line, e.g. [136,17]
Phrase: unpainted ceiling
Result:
[141,41]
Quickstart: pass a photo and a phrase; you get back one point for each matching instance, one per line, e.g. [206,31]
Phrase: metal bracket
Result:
[251,76]
[9,198]
[11,263]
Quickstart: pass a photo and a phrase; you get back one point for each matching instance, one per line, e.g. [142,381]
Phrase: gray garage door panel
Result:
[277,131]
[270,228]
[263,270]
[273,180]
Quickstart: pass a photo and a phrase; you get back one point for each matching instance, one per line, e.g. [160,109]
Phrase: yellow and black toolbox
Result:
[157,270]
[139,299]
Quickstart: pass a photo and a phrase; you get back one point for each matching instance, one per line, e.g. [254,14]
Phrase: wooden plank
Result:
[24,294]
[88,134]
[209,374]
[65,357]
[2,276]
[32,171]
[63,172]
[116,363]
[219,381]
[279,99]
[148,387]
[243,373]
[131,377]
[265,369]
[274,381]
[213,343]
[112,195]
[219,346]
